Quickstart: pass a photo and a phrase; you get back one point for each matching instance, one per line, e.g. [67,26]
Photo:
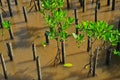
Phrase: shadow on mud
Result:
[17,76]
[22,39]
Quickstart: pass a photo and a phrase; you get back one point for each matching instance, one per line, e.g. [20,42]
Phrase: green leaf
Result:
[112,38]
[59,15]
[114,44]
[43,44]
[116,52]
[63,35]
[74,35]
[60,3]
[46,4]
[42,11]
[48,33]
[106,36]
[70,20]
[6,24]
[110,27]
[65,26]
[85,24]
[80,37]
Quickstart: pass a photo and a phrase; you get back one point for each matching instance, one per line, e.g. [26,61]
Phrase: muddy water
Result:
[24,68]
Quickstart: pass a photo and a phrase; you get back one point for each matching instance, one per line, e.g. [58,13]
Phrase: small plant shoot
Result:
[6,24]
[43,44]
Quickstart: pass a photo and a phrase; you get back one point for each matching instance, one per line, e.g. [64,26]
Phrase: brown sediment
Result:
[24,68]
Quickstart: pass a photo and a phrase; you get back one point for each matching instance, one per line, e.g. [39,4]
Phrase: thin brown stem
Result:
[92,42]
[57,57]
[2,34]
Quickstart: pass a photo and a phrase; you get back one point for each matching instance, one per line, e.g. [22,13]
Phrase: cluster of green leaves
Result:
[98,31]
[58,23]
[117,52]
[6,24]
[51,4]
[78,38]
[56,18]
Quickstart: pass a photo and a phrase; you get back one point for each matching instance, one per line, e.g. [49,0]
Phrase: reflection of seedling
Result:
[68,65]
[2,33]
[43,44]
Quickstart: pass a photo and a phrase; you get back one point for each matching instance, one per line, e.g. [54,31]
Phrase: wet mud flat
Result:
[24,68]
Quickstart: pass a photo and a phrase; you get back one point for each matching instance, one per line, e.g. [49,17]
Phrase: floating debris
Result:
[68,65]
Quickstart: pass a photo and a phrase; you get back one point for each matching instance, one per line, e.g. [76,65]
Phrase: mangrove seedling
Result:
[99,30]
[7,25]
[58,22]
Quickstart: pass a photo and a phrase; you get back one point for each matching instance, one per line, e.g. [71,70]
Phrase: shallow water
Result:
[24,68]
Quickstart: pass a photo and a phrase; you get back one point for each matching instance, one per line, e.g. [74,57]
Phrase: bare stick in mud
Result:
[96,14]
[9,7]
[16,2]
[3,66]
[1,3]
[34,51]
[98,4]
[76,22]
[38,68]
[46,38]
[88,44]
[38,4]
[10,51]
[108,2]
[108,56]
[118,44]
[68,4]
[25,14]
[95,61]
[113,5]
[63,51]
[11,33]
[83,2]
[1,20]
[75,13]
